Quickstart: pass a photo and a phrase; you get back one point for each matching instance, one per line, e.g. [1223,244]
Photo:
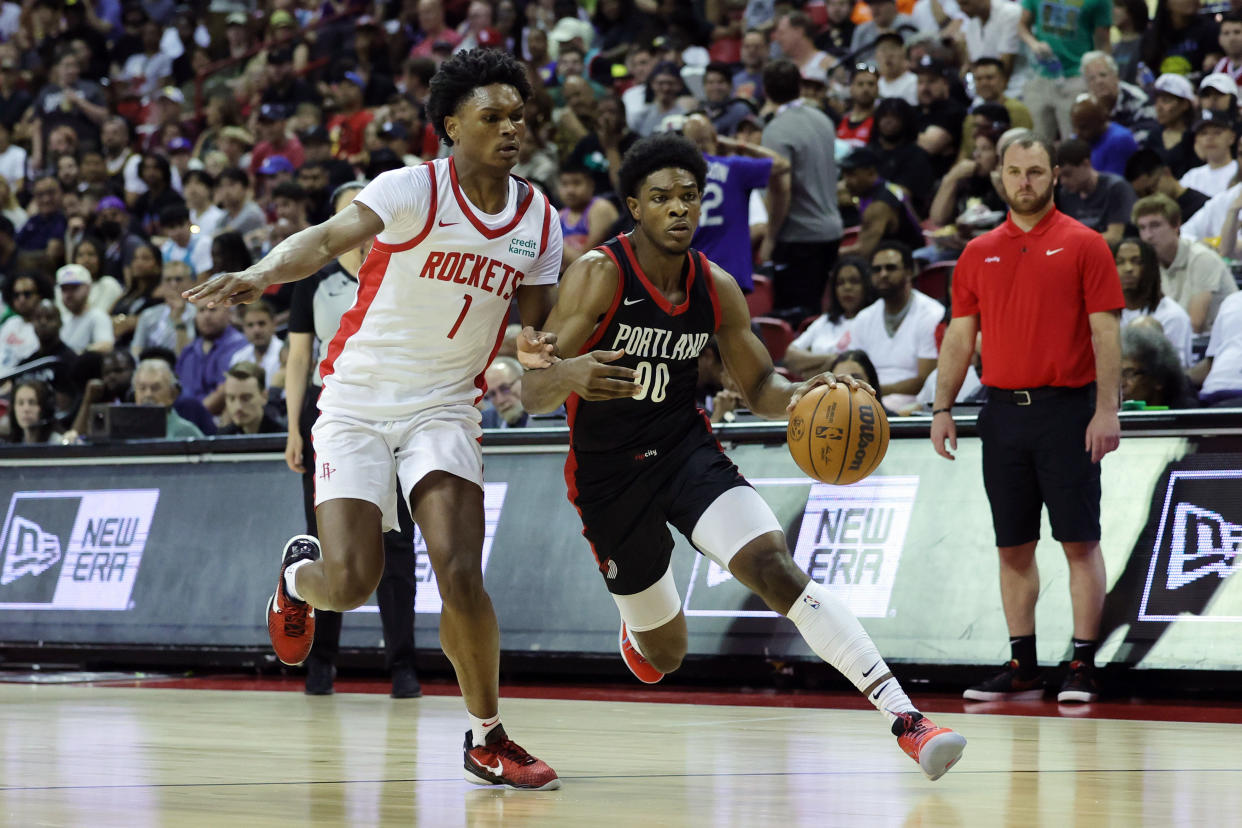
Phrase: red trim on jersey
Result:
[711,287]
[547,227]
[603,323]
[468,211]
[660,298]
[480,381]
[431,218]
[370,275]
[571,479]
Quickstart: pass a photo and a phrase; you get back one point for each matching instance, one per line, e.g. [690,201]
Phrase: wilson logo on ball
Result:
[866,435]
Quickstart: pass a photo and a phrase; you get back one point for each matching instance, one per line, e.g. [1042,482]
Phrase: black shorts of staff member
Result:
[1034,454]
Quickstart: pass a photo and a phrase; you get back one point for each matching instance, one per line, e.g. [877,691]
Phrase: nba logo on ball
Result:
[838,435]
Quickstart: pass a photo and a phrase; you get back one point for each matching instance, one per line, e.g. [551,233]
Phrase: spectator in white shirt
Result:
[898,331]
[991,30]
[1215,134]
[183,244]
[262,346]
[12,158]
[1139,269]
[170,324]
[896,79]
[1193,274]
[1221,371]
[198,187]
[848,291]
[83,328]
[150,68]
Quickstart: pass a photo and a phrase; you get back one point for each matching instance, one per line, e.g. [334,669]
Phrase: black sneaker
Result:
[405,682]
[1079,685]
[1007,685]
[320,675]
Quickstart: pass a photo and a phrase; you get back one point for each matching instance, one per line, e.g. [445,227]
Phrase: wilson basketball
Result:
[837,435]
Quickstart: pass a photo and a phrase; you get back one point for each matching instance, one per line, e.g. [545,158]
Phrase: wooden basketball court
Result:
[105,756]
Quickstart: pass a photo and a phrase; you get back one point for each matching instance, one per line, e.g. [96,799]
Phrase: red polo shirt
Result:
[1033,292]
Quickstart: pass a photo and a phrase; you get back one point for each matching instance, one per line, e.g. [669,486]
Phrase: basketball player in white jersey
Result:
[455,240]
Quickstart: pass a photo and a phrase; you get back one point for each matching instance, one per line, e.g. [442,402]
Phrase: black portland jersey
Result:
[662,343]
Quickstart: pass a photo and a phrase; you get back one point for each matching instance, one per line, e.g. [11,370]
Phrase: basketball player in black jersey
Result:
[631,318]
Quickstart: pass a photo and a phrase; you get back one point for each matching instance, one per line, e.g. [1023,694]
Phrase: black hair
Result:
[994,112]
[1146,161]
[6,227]
[465,72]
[1150,292]
[1139,15]
[162,164]
[1073,152]
[174,214]
[859,356]
[830,305]
[202,176]
[290,190]
[42,284]
[782,82]
[659,152]
[901,248]
[234,255]
[996,62]
[236,175]
[381,161]
[904,110]
[47,411]
[720,68]
[155,352]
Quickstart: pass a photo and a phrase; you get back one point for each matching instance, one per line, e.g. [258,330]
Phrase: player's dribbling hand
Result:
[593,378]
[829,379]
[225,289]
[536,349]
[944,429]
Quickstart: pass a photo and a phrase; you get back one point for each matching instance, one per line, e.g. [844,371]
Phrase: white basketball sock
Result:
[479,728]
[291,581]
[832,631]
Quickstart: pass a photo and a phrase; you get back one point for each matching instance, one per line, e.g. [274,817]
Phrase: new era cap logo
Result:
[28,550]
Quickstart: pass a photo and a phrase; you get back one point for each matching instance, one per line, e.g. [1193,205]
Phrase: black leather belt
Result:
[1027,396]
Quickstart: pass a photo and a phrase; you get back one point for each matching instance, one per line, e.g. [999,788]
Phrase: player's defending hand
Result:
[829,379]
[592,378]
[536,349]
[226,289]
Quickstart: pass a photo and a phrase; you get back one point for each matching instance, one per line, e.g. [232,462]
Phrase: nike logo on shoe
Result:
[629,302]
[494,771]
[869,669]
[1053,252]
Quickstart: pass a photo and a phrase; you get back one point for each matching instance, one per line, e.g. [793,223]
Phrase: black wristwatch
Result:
[948,411]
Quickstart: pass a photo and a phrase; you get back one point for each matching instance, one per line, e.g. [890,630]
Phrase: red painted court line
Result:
[1133,709]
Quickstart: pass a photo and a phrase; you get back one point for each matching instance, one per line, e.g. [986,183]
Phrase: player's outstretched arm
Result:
[586,293]
[766,392]
[297,257]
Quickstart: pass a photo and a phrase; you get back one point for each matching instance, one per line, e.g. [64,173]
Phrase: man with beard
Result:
[1044,290]
[858,122]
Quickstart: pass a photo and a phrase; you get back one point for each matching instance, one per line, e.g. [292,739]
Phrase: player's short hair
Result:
[249,370]
[1158,204]
[465,72]
[659,152]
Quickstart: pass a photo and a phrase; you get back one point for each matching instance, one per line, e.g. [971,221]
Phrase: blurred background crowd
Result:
[147,145]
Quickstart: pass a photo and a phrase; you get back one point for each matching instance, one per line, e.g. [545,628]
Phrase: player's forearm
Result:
[544,390]
[295,258]
[770,397]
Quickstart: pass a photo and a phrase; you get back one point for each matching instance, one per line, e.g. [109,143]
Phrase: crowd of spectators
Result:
[147,145]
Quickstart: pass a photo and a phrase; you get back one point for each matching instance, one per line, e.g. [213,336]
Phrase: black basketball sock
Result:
[1084,651]
[1022,648]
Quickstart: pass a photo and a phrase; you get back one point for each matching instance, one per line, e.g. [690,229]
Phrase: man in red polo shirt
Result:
[1044,290]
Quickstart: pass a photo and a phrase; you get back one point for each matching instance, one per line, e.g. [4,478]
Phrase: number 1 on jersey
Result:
[460,317]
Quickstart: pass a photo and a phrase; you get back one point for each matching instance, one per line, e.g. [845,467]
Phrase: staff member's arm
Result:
[1104,430]
[956,350]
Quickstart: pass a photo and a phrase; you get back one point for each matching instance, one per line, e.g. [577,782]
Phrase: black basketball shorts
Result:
[627,501]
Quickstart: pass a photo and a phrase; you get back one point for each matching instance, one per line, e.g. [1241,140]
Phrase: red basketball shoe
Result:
[936,749]
[502,761]
[291,623]
[639,666]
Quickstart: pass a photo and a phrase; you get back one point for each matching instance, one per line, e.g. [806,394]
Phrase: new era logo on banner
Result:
[1198,546]
[74,550]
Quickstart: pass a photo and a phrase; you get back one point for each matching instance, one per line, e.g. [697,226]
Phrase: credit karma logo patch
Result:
[74,550]
[427,598]
[1198,546]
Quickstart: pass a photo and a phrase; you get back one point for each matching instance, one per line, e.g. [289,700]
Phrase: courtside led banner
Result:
[74,550]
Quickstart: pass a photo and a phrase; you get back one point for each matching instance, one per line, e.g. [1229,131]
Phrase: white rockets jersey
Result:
[434,293]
